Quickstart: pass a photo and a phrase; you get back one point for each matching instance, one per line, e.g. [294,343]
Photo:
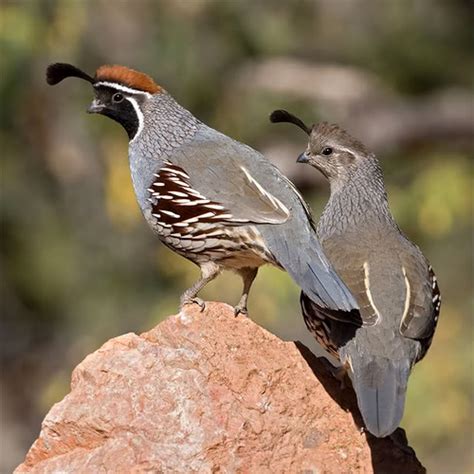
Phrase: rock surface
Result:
[208,392]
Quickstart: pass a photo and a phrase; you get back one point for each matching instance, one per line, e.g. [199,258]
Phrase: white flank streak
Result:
[141,120]
[175,171]
[171,214]
[179,182]
[119,87]
[184,202]
[408,295]
[276,203]
[180,224]
[206,215]
[164,196]
[178,193]
[217,207]
[156,215]
[367,289]
[224,216]
[196,194]
[192,220]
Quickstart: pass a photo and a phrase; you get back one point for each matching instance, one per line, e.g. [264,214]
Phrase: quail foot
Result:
[211,199]
[392,281]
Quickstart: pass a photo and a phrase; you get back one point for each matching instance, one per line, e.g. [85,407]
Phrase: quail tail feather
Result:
[380,386]
[312,272]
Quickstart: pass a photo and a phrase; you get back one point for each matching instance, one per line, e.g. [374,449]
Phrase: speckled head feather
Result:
[325,133]
[128,78]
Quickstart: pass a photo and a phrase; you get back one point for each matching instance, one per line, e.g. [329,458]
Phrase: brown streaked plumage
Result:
[127,77]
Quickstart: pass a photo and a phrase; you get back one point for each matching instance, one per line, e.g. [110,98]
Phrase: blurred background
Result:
[80,266]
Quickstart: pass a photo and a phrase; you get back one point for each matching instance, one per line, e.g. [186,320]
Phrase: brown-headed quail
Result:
[211,199]
[392,281]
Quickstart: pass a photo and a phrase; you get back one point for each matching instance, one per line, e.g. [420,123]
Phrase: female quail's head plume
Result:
[394,285]
[211,199]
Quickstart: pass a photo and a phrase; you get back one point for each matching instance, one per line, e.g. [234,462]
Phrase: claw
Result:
[201,303]
[241,310]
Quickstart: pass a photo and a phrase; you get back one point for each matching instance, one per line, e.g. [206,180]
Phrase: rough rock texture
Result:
[208,392]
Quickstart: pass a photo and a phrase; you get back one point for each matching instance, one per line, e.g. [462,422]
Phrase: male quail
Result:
[392,281]
[209,198]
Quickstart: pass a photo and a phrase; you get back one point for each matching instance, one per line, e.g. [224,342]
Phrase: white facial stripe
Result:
[121,88]
[367,290]
[347,150]
[139,113]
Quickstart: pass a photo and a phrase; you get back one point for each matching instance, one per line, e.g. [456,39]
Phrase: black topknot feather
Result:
[56,72]
[284,116]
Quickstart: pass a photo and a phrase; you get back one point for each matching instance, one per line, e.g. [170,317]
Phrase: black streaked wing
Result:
[332,329]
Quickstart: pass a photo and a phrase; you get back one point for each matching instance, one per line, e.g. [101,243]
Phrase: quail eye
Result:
[117,98]
[327,151]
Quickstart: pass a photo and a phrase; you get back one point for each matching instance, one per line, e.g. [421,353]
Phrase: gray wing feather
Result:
[224,179]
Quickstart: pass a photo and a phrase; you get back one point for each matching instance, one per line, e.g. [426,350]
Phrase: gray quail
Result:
[211,199]
[392,281]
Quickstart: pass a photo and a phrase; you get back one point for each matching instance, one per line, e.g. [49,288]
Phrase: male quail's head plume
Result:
[392,281]
[211,199]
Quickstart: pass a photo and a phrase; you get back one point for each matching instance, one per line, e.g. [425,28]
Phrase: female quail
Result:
[392,281]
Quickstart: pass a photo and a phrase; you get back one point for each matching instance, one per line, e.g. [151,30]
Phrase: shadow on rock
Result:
[391,455]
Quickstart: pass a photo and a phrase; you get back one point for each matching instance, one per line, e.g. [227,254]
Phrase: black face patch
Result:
[121,110]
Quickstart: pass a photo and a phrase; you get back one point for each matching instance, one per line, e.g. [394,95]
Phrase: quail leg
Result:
[209,271]
[248,276]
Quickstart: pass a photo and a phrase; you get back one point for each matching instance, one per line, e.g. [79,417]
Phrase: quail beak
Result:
[303,158]
[96,107]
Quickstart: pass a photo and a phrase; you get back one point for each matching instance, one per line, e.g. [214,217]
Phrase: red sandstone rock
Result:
[208,392]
